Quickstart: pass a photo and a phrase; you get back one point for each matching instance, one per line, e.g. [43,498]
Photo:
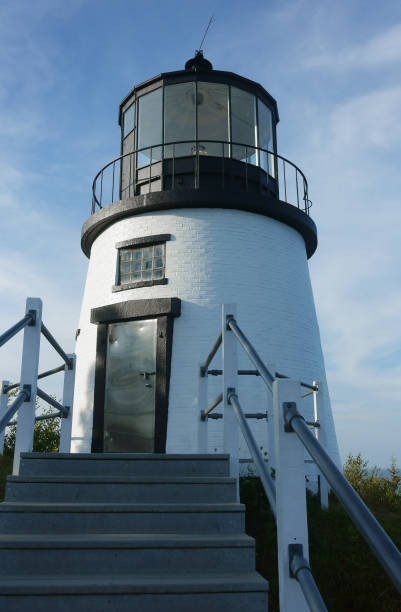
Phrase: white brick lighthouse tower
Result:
[198,210]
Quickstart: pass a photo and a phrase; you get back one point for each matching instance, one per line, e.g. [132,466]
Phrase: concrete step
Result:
[122,464]
[126,532]
[88,518]
[145,489]
[116,554]
[237,592]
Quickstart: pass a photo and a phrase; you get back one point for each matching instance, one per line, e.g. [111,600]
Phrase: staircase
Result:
[124,532]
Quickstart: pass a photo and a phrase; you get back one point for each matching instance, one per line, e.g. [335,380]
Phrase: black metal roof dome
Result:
[198,62]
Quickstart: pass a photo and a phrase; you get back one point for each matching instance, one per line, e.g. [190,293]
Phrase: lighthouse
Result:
[199,209]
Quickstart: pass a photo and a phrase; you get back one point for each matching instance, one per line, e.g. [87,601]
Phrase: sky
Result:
[334,69]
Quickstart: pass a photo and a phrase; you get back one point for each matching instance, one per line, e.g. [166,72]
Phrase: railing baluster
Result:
[197,167]
[162,169]
[222,165]
[150,170]
[101,188]
[112,185]
[296,181]
[173,169]
[230,385]
[68,396]
[285,183]
[246,168]
[3,409]
[130,175]
[29,377]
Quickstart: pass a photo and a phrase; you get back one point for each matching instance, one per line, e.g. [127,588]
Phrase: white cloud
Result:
[372,119]
[385,48]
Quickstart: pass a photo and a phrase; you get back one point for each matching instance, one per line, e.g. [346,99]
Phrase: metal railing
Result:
[289,452]
[143,170]
[381,545]
[25,401]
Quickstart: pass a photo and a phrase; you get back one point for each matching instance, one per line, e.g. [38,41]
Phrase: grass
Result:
[346,572]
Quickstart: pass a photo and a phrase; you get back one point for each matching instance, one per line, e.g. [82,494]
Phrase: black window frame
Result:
[142,241]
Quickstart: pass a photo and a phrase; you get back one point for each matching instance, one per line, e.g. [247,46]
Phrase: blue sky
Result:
[334,69]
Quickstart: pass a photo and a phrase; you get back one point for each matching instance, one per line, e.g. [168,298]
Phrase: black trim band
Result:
[136,309]
[143,241]
[139,284]
[265,205]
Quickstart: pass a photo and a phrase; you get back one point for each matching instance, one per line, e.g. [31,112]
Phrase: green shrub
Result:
[46,439]
[375,490]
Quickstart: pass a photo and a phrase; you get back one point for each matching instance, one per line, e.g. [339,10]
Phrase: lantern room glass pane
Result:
[150,126]
[179,118]
[213,117]
[129,120]
[243,125]
[265,137]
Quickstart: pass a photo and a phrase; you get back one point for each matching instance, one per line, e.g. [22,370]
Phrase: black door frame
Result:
[162,309]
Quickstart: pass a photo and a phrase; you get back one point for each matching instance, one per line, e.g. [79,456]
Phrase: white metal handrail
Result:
[374,535]
[25,402]
[289,487]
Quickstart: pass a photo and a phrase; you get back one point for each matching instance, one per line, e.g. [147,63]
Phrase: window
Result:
[150,127]
[265,137]
[243,124]
[179,118]
[141,262]
[129,120]
[197,117]
[212,116]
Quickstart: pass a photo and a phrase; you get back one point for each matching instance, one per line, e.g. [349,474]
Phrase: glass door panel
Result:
[130,389]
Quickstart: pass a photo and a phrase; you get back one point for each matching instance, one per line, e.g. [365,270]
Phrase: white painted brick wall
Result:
[214,256]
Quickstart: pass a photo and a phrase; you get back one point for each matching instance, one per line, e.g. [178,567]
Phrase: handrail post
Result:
[292,527]
[271,451]
[3,409]
[230,383]
[68,397]
[29,376]
[321,435]
[201,407]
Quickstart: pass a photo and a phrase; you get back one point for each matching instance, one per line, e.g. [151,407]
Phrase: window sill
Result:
[146,283]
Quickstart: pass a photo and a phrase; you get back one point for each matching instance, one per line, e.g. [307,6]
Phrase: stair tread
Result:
[21,506]
[194,548]
[127,456]
[93,479]
[150,583]
[125,540]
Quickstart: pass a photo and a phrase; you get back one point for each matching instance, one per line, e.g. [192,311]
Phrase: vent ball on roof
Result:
[198,62]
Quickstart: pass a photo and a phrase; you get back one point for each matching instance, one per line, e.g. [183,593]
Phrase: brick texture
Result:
[214,256]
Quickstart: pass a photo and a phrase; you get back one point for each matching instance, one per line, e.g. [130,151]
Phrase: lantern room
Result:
[176,122]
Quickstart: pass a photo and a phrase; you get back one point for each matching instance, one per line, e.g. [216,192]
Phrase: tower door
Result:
[130,387]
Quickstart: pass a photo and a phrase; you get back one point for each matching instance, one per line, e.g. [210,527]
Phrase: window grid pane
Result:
[142,263]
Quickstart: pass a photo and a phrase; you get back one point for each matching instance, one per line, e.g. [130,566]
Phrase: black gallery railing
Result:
[192,163]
